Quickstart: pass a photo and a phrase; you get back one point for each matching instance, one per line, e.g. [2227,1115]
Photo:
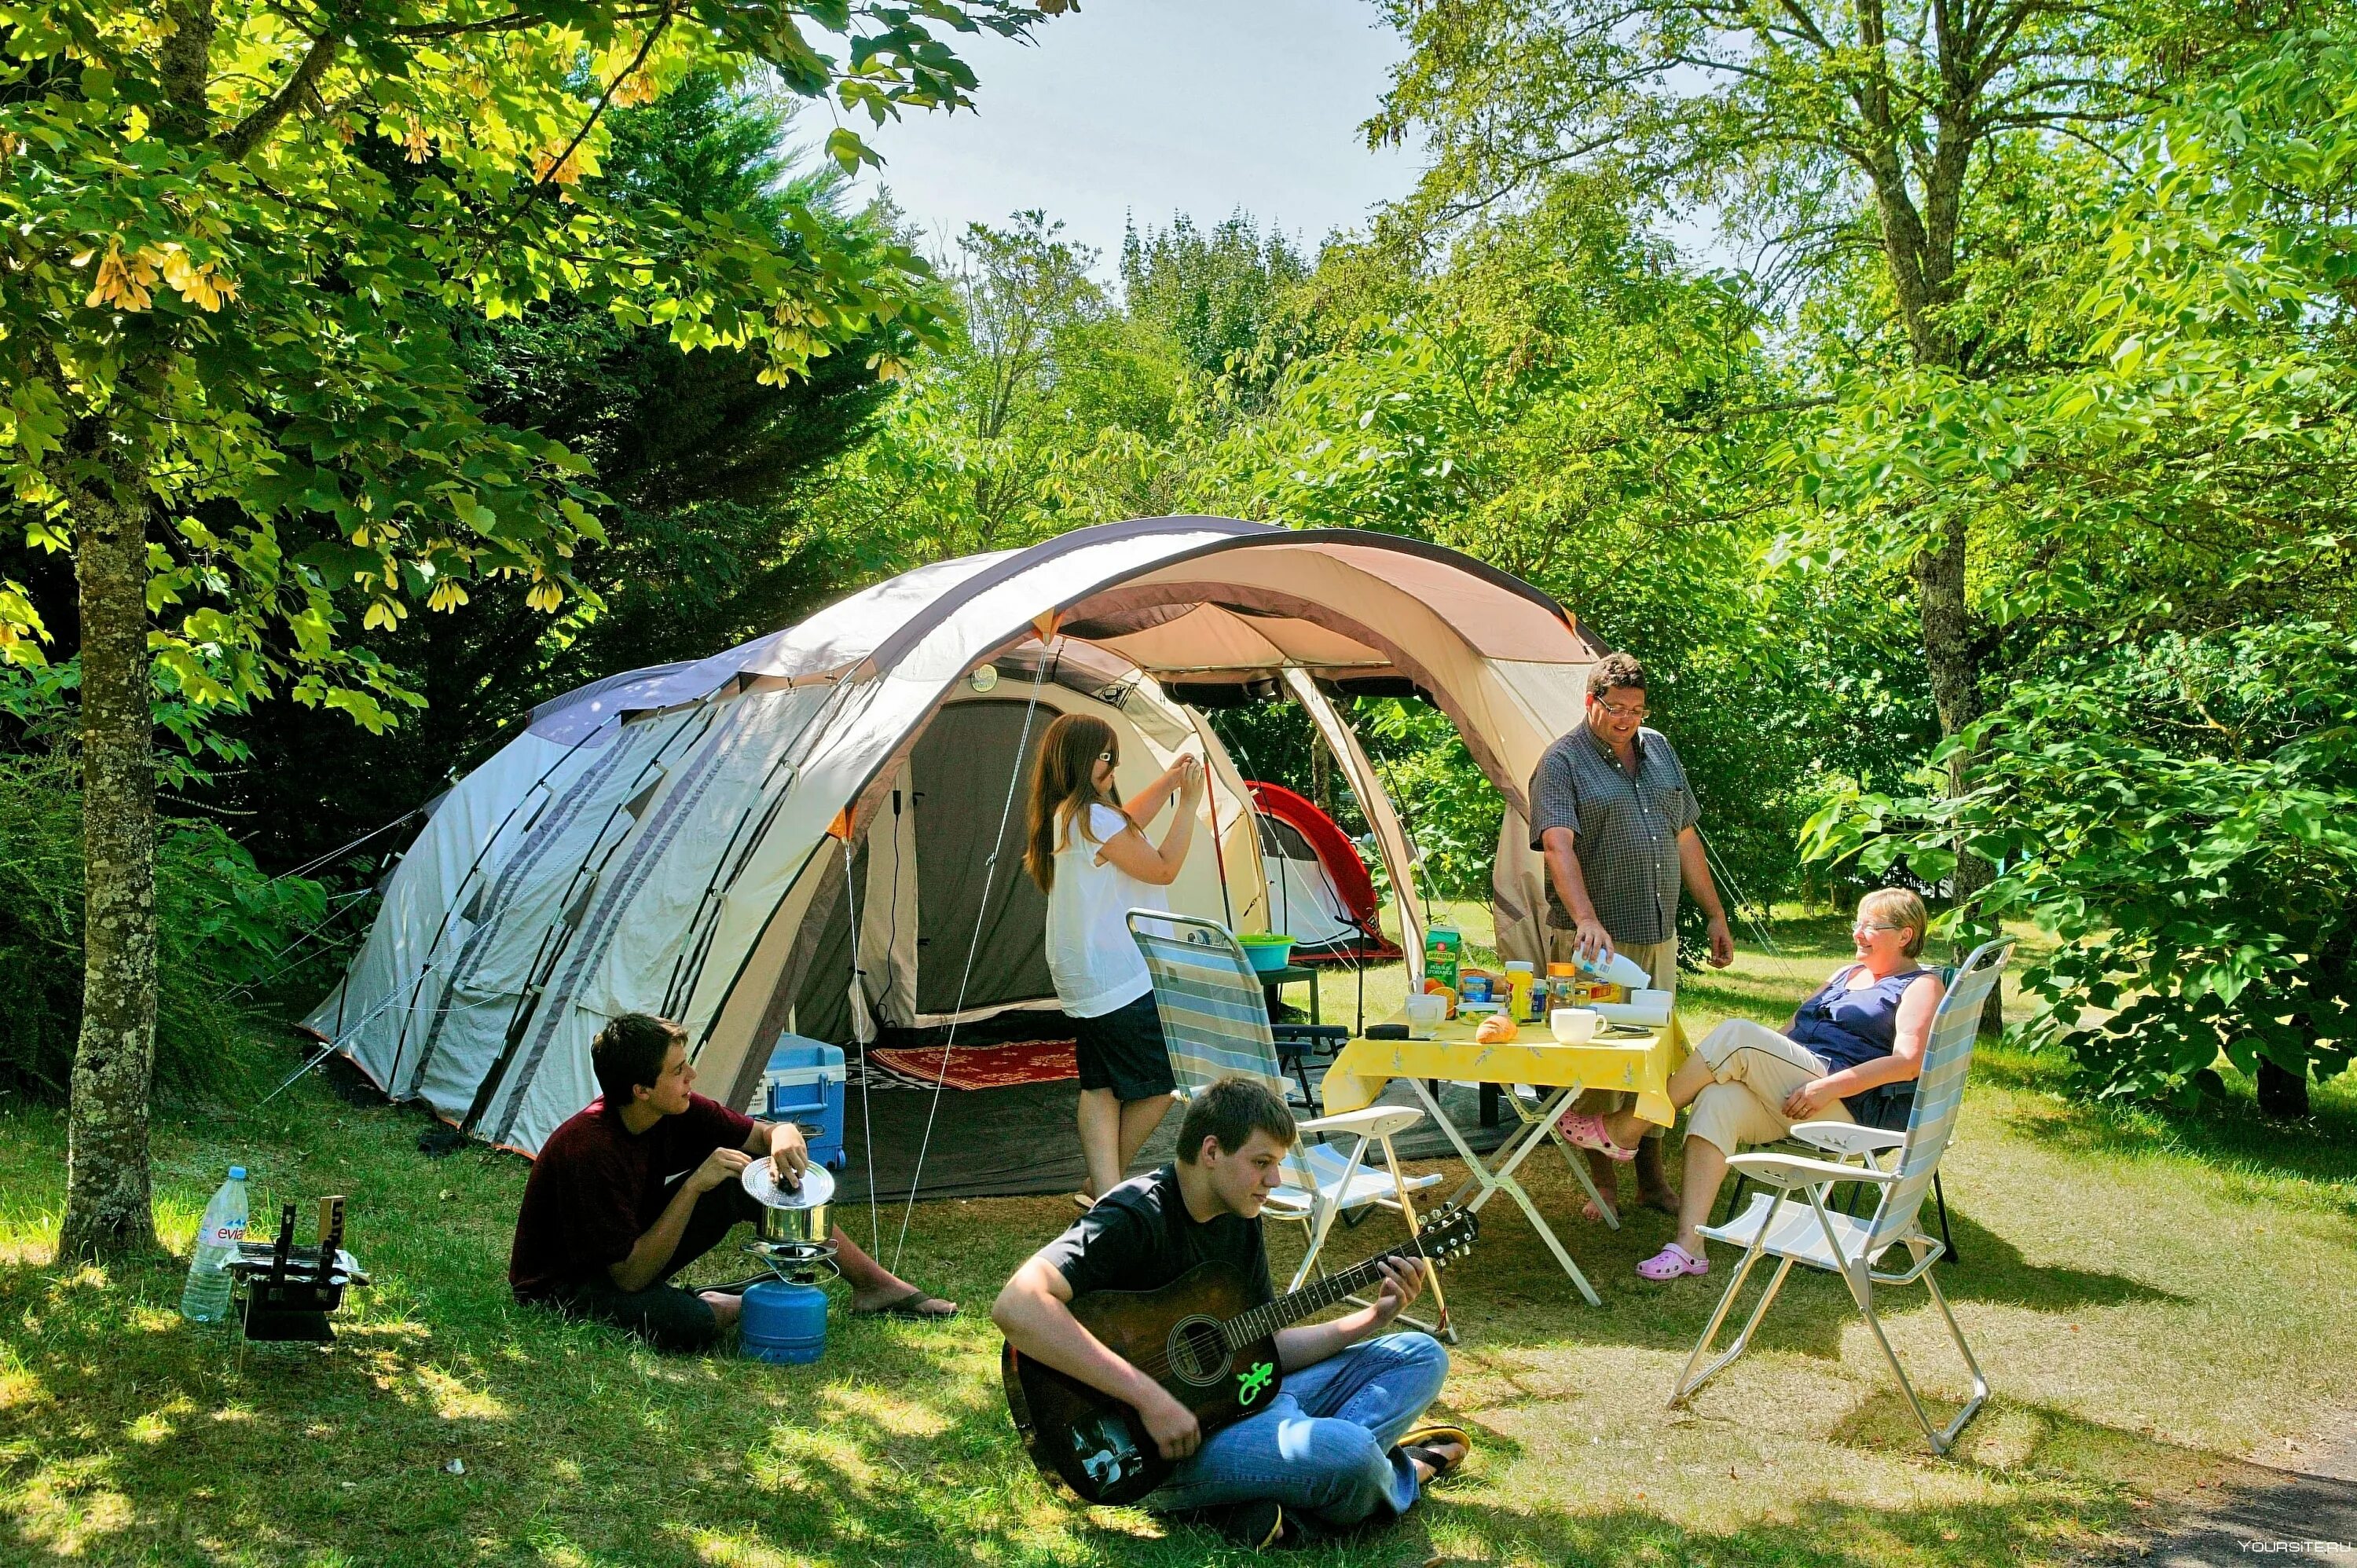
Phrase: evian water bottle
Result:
[205,1298]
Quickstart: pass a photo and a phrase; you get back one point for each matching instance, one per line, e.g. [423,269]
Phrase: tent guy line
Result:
[973,944]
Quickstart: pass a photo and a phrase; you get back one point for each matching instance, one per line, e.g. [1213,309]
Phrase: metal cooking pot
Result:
[790,1215]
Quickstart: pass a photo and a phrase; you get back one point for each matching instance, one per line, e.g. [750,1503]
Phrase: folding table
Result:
[1365,1067]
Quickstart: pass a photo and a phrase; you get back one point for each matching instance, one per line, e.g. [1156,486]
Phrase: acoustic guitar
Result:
[1202,1338]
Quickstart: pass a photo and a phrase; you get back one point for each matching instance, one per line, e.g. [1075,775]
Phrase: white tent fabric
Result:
[671,840]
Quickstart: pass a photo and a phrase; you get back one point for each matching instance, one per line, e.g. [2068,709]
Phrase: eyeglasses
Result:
[1617,712]
[1863,930]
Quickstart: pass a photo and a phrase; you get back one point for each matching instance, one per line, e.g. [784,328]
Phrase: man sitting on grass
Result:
[646,1180]
[1334,1447]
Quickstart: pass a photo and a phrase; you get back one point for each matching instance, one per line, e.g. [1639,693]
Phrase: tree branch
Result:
[247,133]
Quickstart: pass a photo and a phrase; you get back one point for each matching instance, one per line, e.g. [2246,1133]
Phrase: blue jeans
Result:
[1324,1447]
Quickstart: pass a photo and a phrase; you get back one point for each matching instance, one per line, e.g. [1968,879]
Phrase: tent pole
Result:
[1211,799]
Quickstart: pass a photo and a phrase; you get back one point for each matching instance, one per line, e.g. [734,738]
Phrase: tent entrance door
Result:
[959,772]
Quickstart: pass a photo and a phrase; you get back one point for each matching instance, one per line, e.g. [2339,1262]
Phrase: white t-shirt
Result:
[1096,966]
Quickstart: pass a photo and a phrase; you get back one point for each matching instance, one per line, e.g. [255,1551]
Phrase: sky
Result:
[1156,107]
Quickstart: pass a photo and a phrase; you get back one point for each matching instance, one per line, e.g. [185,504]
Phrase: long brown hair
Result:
[1063,786]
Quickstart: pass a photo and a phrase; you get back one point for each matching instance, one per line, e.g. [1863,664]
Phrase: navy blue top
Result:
[1846,1027]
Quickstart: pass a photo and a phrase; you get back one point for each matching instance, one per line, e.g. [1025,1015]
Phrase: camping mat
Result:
[1001,1143]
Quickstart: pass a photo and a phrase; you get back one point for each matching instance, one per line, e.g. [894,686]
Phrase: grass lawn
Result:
[2154,1300]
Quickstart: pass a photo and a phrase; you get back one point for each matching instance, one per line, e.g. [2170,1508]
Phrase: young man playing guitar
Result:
[1334,1447]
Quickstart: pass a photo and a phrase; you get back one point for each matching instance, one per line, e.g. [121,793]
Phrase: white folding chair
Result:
[1823,1238]
[1215,1023]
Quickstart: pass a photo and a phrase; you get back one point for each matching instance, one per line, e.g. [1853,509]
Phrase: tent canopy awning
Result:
[1185,597]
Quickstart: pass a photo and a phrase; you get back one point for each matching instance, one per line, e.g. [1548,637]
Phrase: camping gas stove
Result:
[796,1263]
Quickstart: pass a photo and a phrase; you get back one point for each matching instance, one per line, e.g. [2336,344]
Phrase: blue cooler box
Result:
[803,1083]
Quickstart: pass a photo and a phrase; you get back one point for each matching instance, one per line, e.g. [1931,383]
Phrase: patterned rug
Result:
[979,1067]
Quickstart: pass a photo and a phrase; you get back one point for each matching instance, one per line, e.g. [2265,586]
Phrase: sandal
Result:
[1671,1262]
[1587,1131]
[1421,1446]
[912,1304]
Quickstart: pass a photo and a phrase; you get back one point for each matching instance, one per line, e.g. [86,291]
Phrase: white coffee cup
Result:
[1573,1026]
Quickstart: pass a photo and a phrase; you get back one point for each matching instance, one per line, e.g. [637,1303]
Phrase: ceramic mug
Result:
[1573,1026]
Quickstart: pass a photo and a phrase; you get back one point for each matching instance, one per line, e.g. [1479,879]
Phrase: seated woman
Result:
[1866,1027]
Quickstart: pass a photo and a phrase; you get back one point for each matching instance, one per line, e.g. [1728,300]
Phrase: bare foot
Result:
[723,1307]
[1592,1214]
[1659,1197]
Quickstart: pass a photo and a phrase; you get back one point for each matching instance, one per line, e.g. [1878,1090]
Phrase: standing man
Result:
[1611,811]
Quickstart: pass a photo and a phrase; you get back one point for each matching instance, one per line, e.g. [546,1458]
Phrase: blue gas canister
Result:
[781,1322]
[803,1083]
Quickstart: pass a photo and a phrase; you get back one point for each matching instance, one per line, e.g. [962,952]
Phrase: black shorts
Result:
[1123,1050]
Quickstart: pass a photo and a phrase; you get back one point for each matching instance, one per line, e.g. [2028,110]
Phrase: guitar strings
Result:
[1160,1367]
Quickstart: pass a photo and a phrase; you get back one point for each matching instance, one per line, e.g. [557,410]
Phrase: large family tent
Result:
[1318,890]
[819,831]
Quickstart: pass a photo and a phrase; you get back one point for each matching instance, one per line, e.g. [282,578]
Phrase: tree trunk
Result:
[1321,774]
[1954,667]
[2282,1095]
[108,1213]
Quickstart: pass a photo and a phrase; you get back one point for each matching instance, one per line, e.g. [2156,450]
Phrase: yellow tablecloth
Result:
[1365,1067]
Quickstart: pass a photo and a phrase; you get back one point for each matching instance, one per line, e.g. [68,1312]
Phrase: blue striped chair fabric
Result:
[1939,1094]
[1214,1014]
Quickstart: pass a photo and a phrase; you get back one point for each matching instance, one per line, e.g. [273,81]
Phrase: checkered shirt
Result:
[1626,829]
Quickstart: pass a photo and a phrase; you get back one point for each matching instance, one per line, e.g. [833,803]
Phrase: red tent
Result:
[1319,889]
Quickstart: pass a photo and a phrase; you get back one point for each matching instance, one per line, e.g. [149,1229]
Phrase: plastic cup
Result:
[1425,1014]
[1573,1026]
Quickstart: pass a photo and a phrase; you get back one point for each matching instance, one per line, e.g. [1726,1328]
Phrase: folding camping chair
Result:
[1825,1239]
[1215,1023]
[1882,1110]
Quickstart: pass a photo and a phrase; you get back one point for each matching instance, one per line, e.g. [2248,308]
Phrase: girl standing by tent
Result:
[1087,856]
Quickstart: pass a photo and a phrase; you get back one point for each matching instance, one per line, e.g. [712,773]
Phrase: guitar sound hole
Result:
[1196,1356]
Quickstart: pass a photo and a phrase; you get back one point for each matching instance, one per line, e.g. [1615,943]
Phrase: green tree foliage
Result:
[1226,296]
[2178,813]
[241,232]
[707,469]
[1562,401]
[2170,784]
[979,451]
[229,938]
[1873,147]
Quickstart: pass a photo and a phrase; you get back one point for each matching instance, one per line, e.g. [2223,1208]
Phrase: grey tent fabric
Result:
[671,840]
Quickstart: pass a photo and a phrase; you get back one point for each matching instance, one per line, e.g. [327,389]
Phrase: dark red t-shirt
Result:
[597,1186]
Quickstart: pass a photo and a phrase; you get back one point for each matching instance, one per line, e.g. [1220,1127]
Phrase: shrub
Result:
[2178,814]
[223,927]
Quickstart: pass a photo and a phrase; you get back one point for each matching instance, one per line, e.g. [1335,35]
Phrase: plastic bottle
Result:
[1520,981]
[1619,969]
[205,1298]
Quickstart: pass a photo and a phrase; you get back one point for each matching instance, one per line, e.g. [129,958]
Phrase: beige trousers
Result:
[1658,959]
[1755,1069]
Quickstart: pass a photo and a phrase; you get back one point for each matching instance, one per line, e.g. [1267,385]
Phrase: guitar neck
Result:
[1265,1320]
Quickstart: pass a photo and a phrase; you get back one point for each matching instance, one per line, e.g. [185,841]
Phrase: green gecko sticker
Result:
[1250,1385]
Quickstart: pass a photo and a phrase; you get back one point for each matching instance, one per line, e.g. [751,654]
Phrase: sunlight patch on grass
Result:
[158,1425]
[454,1401]
[889,1414]
[740,1550]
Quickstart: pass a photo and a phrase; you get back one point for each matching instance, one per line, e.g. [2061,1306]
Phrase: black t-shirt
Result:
[1140,1237]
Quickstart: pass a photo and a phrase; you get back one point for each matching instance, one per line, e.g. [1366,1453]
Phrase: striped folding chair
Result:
[1215,1023]
[1823,1238]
